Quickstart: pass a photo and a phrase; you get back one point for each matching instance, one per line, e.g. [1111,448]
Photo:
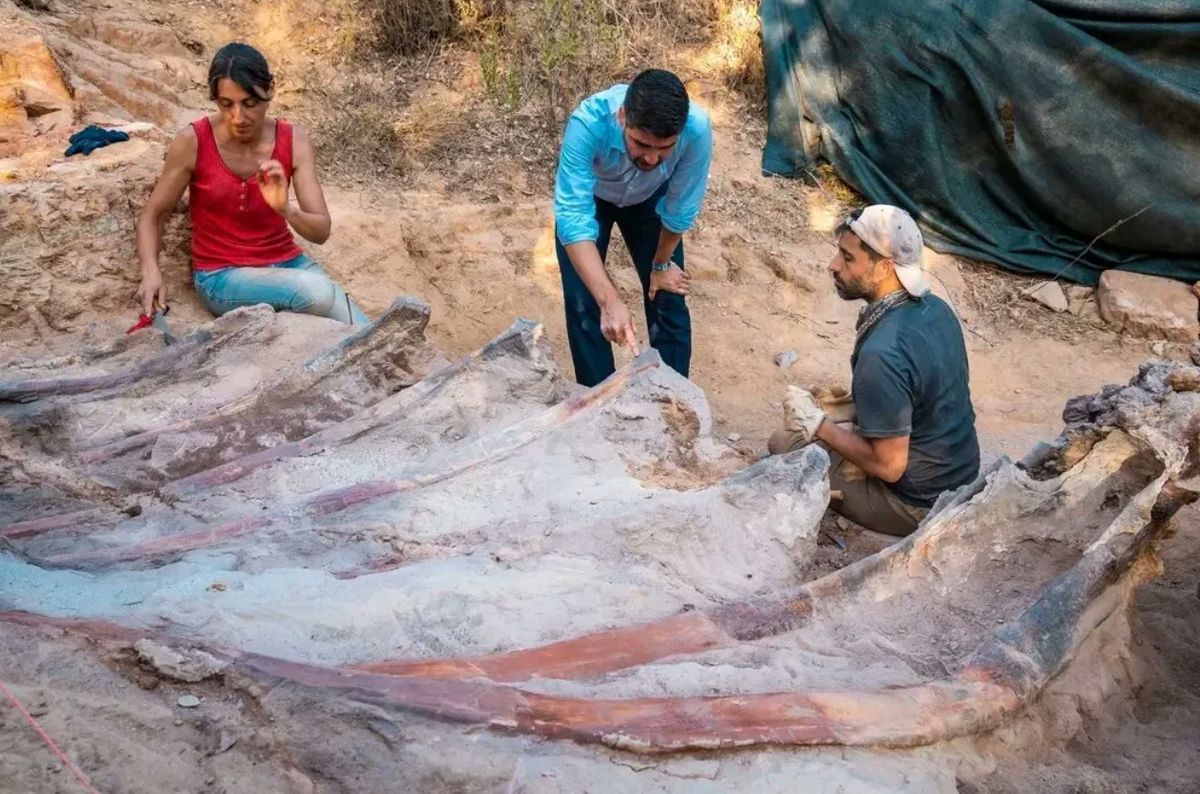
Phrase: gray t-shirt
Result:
[911,378]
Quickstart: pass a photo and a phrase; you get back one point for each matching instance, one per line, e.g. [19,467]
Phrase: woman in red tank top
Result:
[237,167]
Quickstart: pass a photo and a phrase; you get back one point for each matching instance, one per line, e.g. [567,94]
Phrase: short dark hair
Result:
[844,226]
[657,102]
[245,66]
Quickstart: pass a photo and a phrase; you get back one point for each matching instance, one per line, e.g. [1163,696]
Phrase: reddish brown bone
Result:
[347,430]
[405,319]
[38,526]
[583,657]
[160,362]
[1008,670]
[166,546]
[520,435]
[525,433]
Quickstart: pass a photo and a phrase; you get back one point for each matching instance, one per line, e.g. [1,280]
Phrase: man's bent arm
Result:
[885,458]
[685,192]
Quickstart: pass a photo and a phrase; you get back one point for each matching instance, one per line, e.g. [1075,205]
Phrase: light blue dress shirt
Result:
[594,164]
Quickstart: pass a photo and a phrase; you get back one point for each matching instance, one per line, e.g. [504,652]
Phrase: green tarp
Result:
[1016,132]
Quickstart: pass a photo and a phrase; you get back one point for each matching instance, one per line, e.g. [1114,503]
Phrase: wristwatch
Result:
[659,267]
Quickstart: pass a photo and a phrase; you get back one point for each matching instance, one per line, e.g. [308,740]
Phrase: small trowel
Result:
[159,323]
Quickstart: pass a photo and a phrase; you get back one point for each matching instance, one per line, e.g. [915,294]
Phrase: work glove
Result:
[91,138]
[837,402]
[802,414]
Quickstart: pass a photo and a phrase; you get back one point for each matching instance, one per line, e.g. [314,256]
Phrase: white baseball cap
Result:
[892,232]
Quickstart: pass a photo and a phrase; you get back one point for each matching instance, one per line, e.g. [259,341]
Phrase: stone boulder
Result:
[1050,295]
[1148,306]
[35,95]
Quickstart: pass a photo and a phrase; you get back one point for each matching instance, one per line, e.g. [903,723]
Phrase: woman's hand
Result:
[152,291]
[274,185]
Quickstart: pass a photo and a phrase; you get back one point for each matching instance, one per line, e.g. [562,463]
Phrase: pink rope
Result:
[33,723]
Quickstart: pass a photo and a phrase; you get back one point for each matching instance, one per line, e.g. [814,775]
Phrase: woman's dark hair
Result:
[245,66]
[656,102]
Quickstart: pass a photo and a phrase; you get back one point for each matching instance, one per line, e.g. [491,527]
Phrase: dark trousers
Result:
[667,315]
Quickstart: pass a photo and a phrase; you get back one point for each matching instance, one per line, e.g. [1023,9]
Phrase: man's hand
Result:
[152,291]
[616,323]
[673,279]
[802,414]
[273,184]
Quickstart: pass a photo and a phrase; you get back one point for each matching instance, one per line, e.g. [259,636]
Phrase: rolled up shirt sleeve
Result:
[680,207]
[575,185]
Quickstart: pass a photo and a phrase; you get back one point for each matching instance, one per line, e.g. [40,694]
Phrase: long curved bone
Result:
[403,323]
[504,445]
[39,526]
[1007,672]
[362,422]
[160,362]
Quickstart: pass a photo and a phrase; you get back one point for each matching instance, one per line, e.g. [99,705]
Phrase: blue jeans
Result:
[667,316]
[297,285]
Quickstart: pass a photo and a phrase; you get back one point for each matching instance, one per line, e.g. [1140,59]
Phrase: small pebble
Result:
[1159,349]
[188,701]
[786,359]
[734,437]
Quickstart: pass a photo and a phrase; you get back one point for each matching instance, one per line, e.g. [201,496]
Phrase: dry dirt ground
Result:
[468,228]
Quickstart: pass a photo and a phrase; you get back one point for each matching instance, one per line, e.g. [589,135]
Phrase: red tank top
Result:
[231,222]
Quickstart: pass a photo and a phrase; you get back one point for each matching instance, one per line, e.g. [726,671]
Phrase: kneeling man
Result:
[913,435]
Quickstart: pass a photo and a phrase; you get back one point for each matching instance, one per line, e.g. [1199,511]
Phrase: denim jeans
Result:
[297,285]
[667,316]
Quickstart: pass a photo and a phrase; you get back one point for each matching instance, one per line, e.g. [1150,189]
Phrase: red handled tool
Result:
[158,320]
[144,321]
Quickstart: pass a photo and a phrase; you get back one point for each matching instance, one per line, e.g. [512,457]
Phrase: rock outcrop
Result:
[1148,306]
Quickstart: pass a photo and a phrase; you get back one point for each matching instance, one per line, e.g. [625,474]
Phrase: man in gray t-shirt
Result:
[915,428]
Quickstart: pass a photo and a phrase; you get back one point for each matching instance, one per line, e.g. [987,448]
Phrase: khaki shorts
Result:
[865,500]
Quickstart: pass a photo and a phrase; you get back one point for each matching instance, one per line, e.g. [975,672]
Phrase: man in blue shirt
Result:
[636,156]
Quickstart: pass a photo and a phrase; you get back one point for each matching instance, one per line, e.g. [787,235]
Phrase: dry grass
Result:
[411,27]
[551,53]
[733,51]
[529,61]
[352,119]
